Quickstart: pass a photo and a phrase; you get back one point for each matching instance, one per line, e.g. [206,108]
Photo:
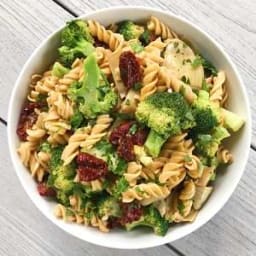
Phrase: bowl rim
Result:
[165,239]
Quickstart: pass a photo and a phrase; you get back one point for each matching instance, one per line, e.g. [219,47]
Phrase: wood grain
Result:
[23,26]
[231,23]
[25,231]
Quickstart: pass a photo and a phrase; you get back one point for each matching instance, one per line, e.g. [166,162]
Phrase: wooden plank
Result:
[23,26]
[231,23]
[25,231]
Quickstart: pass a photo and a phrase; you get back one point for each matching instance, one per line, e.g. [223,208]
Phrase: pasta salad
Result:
[126,128]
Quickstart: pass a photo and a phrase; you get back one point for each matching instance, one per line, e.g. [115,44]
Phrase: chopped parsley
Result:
[207,65]
[181,207]
[133,129]
[187,158]
[137,86]
[213,176]
[185,79]
[175,44]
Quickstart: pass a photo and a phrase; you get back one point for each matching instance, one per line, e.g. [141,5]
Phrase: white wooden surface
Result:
[23,230]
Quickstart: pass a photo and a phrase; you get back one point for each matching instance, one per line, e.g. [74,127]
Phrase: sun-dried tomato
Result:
[124,139]
[130,70]
[90,167]
[140,137]
[119,132]
[44,190]
[130,212]
[125,148]
[27,119]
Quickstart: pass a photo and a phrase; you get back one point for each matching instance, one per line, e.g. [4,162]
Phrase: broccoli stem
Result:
[154,143]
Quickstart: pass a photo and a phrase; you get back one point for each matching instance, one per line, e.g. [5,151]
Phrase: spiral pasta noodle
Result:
[62,105]
[159,28]
[150,80]
[104,35]
[75,74]
[224,156]
[177,85]
[216,92]
[74,143]
[132,173]
[98,131]
[146,193]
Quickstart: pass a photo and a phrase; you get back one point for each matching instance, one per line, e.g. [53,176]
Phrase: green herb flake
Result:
[205,86]
[197,62]
[127,102]
[187,158]
[69,212]
[213,176]
[137,86]
[139,191]
[181,207]
[133,129]
[175,44]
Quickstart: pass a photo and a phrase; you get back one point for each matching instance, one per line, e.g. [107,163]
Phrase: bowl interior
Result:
[239,143]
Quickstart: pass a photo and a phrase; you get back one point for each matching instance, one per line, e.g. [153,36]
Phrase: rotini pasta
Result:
[98,131]
[146,193]
[159,28]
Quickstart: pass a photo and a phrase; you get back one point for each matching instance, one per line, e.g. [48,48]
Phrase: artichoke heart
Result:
[178,58]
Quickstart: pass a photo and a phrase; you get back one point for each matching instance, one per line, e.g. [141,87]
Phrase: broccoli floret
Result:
[151,218]
[205,120]
[63,197]
[77,120]
[45,147]
[59,70]
[146,37]
[137,46]
[232,121]
[76,41]
[165,113]
[208,144]
[154,143]
[129,30]
[206,114]
[67,54]
[61,177]
[74,31]
[55,160]
[109,207]
[120,186]
[93,98]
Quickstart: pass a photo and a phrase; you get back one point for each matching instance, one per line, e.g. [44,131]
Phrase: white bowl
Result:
[239,143]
